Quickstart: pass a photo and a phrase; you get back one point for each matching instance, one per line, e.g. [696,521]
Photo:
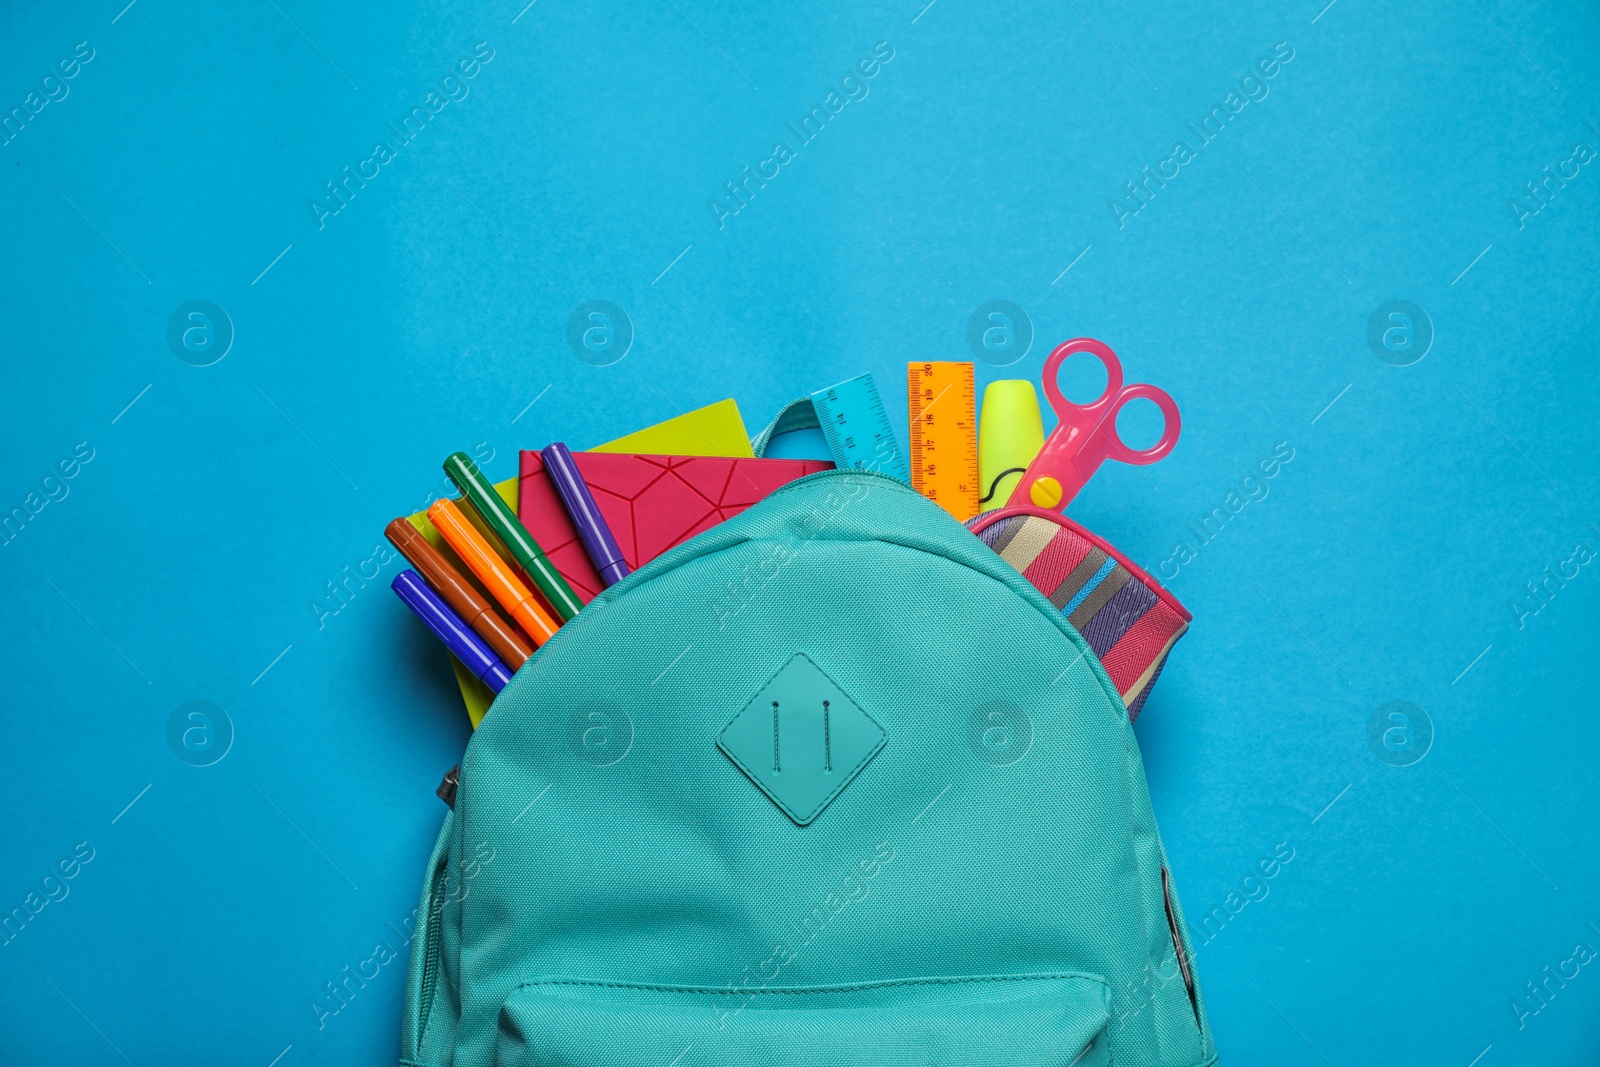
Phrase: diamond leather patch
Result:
[801,740]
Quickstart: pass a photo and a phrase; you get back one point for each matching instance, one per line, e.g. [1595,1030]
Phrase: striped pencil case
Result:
[1125,615]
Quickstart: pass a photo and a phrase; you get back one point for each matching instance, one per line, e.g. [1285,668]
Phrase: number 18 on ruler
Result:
[941,401]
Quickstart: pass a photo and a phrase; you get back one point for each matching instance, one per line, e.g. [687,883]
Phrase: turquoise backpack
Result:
[829,784]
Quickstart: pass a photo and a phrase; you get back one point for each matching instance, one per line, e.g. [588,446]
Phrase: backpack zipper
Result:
[430,953]
[1177,944]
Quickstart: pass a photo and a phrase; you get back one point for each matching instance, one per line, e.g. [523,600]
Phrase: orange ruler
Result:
[941,401]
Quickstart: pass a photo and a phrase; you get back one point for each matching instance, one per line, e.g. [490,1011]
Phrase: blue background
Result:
[1386,561]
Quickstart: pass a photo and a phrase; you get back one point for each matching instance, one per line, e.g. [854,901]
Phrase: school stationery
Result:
[1086,434]
[714,430]
[585,514]
[475,696]
[944,441]
[718,819]
[1129,621]
[448,627]
[860,436]
[463,598]
[496,577]
[650,503]
[506,491]
[511,533]
[1010,434]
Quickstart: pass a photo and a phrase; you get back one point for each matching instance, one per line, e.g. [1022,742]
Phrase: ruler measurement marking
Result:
[857,428]
[943,439]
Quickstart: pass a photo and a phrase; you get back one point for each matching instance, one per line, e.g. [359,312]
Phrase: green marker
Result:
[523,548]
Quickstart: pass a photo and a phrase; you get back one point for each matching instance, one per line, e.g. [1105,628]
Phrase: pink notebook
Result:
[652,503]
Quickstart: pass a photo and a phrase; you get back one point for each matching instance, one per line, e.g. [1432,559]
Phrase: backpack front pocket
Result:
[1053,1020]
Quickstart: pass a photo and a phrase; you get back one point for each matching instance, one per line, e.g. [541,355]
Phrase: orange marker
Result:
[494,574]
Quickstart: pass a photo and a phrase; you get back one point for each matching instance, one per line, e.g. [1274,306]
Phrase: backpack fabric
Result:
[830,783]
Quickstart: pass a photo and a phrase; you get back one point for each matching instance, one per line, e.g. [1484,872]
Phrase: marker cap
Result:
[503,522]
[585,513]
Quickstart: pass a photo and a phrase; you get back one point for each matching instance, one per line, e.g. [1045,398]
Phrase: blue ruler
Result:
[858,430]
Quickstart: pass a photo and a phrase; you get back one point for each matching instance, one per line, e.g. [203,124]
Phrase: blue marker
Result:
[448,627]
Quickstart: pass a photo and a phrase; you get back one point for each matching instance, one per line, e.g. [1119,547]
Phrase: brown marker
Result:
[466,601]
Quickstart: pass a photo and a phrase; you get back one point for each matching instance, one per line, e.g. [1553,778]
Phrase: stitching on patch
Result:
[832,794]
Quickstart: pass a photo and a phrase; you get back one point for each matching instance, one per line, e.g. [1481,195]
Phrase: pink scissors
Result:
[1087,434]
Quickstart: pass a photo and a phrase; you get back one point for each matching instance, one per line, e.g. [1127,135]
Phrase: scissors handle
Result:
[1087,433]
[1090,414]
[1170,426]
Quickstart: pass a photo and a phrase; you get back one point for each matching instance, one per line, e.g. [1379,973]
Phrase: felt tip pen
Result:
[509,529]
[459,593]
[496,577]
[447,626]
[585,514]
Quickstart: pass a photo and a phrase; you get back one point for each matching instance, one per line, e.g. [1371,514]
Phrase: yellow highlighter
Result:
[1010,434]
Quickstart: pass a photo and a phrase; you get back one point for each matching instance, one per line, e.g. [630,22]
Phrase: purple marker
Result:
[585,514]
[448,627]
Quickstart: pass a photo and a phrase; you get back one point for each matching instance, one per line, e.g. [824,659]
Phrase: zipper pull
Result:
[447,788]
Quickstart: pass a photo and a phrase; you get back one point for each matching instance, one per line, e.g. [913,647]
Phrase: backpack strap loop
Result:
[795,415]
